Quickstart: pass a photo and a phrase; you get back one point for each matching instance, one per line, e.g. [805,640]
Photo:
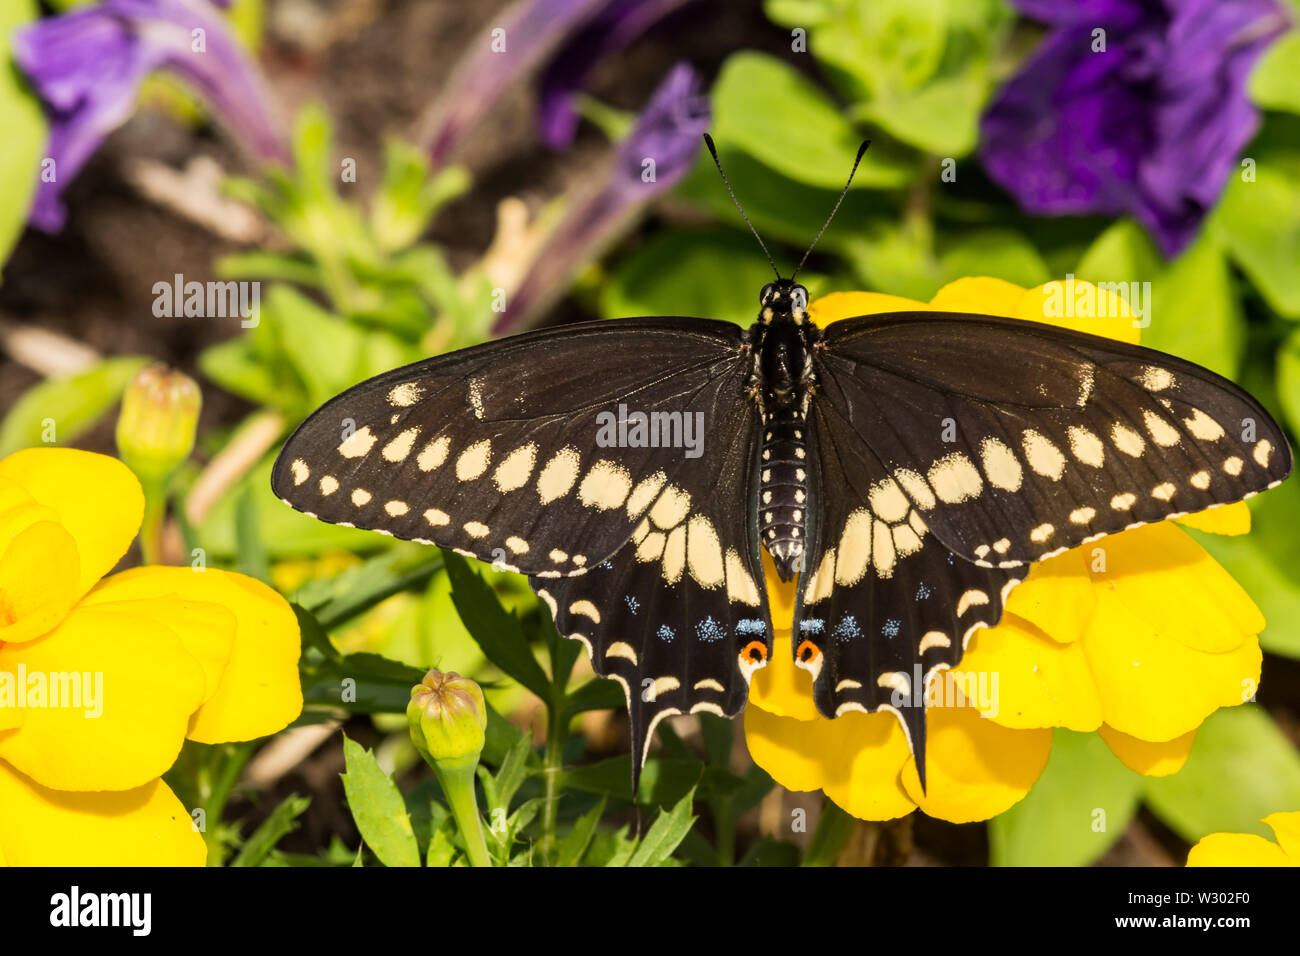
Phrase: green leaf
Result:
[1266,563]
[596,694]
[758,101]
[769,852]
[833,830]
[281,822]
[676,273]
[24,128]
[513,770]
[1079,807]
[495,629]
[1000,253]
[668,830]
[1241,769]
[575,843]
[1288,379]
[1258,222]
[379,685]
[355,590]
[74,404]
[442,849]
[378,808]
[922,71]
[1275,82]
[610,849]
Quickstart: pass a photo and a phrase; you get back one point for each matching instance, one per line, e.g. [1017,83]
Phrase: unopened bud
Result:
[160,413]
[448,718]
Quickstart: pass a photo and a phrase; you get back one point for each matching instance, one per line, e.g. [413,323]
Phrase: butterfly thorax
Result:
[783,380]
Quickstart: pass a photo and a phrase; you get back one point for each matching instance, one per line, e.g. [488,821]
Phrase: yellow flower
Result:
[1139,637]
[1248,849]
[101,681]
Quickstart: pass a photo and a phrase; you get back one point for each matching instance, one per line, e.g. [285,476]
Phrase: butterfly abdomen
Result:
[783,489]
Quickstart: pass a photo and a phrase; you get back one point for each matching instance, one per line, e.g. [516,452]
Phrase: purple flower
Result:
[613,29]
[1152,126]
[655,156]
[565,38]
[88,65]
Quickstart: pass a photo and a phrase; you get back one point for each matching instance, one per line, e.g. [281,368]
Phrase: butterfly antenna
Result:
[713,150]
[843,192]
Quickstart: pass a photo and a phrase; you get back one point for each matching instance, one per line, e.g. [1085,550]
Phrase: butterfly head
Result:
[783,301]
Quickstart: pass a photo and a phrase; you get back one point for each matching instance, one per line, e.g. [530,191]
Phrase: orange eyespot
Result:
[755,651]
[807,652]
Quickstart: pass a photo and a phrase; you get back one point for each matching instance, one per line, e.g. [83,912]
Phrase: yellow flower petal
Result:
[1148,758]
[1168,581]
[975,768]
[96,498]
[1057,597]
[981,295]
[39,577]
[1080,306]
[782,688]
[206,630]
[854,758]
[1286,827]
[1226,519]
[146,826]
[1237,849]
[846,305]
[1153,685]
[132,671]
[259,692]
[1029,681]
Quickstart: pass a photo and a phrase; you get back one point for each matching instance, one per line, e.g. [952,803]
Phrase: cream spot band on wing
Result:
[360,497]
[558,476]
[397,449]
[1086,447]
[1001,465]
[516,468]
[704,552]
[1127,440]
[586,609]
[1043,456]
[434,454]
[621,649]
[474,460]
[300,471]
[605,486]
[328,485]
[1203,426]
[357,444]
[955,479]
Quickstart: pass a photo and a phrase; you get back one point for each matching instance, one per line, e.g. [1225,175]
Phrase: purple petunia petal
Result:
[1151,127]
[613,29]
[88,65]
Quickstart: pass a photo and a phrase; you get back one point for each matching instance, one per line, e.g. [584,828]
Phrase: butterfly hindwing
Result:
[1016,440]
[512,452]
[679,614]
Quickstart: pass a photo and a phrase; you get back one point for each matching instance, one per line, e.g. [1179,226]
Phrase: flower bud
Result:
[160,413]
[448,718]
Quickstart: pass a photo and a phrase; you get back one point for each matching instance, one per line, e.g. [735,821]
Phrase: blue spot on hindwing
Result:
[891,627]
[632,603]
[709,630]
[923,591]
[847,629]
[751,625]
[812,625]
[665,633]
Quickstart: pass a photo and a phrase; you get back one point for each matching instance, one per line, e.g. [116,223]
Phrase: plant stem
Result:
[151,528]
[458,787]
[553,762]
[232,760]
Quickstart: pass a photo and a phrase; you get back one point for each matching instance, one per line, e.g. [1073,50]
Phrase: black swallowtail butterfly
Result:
[559,454]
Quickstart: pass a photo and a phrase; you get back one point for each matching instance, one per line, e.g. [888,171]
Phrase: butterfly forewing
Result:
[504,451]
[1015,440]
